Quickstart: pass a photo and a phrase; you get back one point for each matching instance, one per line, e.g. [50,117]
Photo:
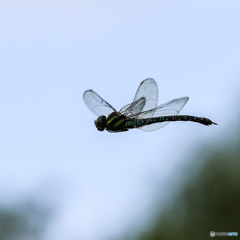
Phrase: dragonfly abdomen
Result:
[147,121]
[202,120]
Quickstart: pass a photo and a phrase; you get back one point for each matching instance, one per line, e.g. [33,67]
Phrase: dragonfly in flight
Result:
[143,113]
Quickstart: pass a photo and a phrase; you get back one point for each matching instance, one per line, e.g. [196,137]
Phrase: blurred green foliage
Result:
[208,200]
[26,221]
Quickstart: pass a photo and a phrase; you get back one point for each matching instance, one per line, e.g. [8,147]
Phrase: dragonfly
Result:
[143,113]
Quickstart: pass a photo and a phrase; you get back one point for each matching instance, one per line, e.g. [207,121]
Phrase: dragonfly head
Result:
[100,123]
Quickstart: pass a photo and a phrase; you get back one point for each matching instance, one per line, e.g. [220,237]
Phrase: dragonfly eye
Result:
[100,123]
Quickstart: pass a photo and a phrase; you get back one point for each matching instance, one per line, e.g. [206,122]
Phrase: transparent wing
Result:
[170,108]
[135,107]
[97,104]
[148,91]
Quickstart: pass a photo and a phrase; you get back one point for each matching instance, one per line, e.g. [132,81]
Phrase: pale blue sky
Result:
[52,51]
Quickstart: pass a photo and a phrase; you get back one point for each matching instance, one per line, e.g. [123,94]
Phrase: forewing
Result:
[97,104]
[170,108]
[134,107]
[146,98]
[147,89]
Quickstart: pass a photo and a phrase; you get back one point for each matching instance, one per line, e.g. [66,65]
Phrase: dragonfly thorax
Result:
[100,123]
